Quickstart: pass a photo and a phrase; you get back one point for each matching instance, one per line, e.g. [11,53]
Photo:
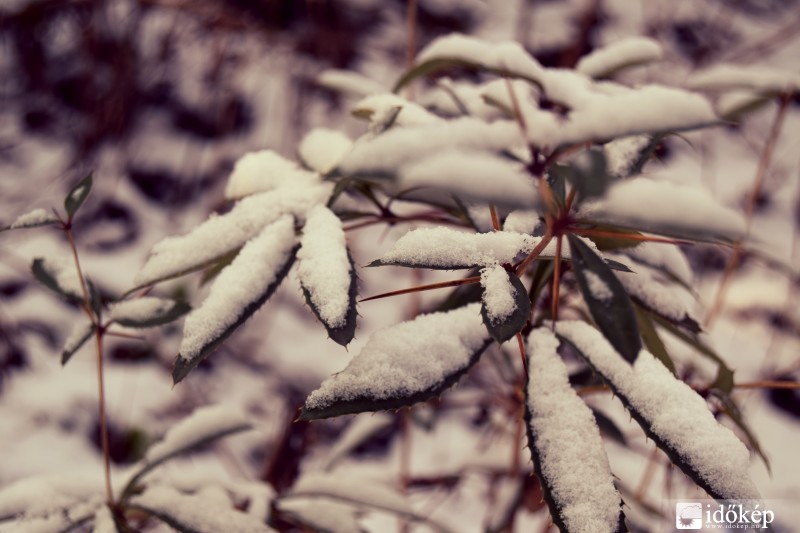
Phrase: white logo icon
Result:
[689,515]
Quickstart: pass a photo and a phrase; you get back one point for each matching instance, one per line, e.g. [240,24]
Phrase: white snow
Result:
[264,171]
[509,57]
[63,270]
[597,286]
[323,266]
[37,217]
[407,358]
[666,206]
[198,511]
[567,439]
[239,284]
[140,309]
[498,293]
[762,79]
[521,221]
[103,521]
[667,299]
[321,514]
[225,233]
[377,106]
[667,257]
[322,149]
[203,423]
[42,495]
[349,488]
[622,153]
[623,53]
[347,81]
[676,413]
[471,175]
[79,333]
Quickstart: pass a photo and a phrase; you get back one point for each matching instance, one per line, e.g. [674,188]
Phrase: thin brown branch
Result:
[495,218]
[768,384]
[548,236]
[626,236]
[556,281]
[379,219]
[431,286]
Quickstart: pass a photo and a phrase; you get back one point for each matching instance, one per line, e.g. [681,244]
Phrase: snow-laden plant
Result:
[530,181]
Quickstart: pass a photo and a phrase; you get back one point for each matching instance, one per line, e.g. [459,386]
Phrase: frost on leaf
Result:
[326,274]
[605,61]
[565,442]
[322,149]
[403,364]
[761,79]
[349,82]
[321,515]
[265,171]
[671,413]
[669,209]
[377,107]
[196,513]
[147,311]
[59,275]
[78,337]
[33,219]
[77,196]
[506,307]
[239,290]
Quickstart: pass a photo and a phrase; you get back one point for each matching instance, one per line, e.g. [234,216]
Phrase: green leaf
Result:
[76,341]
[651,339]
[148,312]
[724,380]
[730,408]
[47,274]
[509,326]
[32,219]
[611,307]
[387,373]
[645,154]
[345,333]
[78,195]
[589,176]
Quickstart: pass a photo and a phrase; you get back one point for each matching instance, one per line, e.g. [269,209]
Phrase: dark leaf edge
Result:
[82,190]
[343,334]
[614,317]
[178,309]
[168,519]
[363,404]
[66,355]
[612,264]
[733,412]
[182,367]
[505,330]
[41,274]
[651,338]
[442,63]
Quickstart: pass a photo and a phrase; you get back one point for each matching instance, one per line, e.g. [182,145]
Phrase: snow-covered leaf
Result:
[606,299]
[627,156]
[377,107]
[223,234]
[325,516]
[403,364]
[322,149]
[669,209]
[604,62]
[32,219]
[78,337]
[566,446]
[78,195]
[762,79]
[265,171]
[588,174]
[204,426]
[104,521]
[362,428]
[506,307]
[730,408]
[652,341]
[195,513]
[238,292]
[148,311]
[674,416]
[327,274]
[457,50]
[60,276]
[347,81]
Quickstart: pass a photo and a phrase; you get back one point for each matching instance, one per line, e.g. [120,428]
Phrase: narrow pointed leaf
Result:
[403,364]
[148,312]
[60,276]
[566,446]
[77,196]
[673,415]
[651,339]
[588,175]
[238,292]
[730,408]
[505,305]
[76,340]
[608,303]
[625,53]
[33,219]
[327,274]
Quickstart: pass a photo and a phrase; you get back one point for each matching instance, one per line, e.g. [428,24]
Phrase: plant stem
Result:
[440,285]
[768,384]
[535,252]
[556,281]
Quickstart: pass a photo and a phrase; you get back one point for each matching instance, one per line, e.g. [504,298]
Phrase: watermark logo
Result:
[711,514]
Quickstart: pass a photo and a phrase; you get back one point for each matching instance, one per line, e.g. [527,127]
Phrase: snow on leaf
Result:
[665,257]
[78,337]
[33,219]
[761,79]
[239,291]
[605,61]
[347,81]
[322,515]
[505,58]
[103,521]
[506,307]
[521,221]
[204,426]
[606,299]
[668,208]
[59,275]
[264,171]
[671,413]
[565,442]
[220,235]
[624,154]
[403,364]
[78,195]
[322,149]
[375,106]
[147,311]
[360,429]
[196,513]
[327,275]
[473,176]
[50,495]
